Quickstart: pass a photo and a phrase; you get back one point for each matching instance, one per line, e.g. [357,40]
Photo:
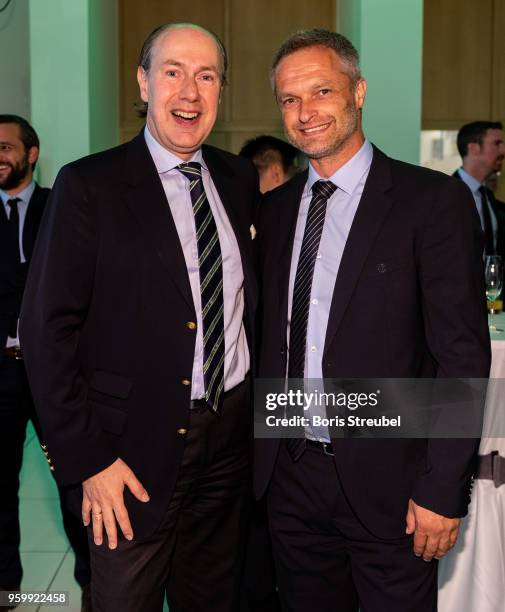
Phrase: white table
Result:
[472,576]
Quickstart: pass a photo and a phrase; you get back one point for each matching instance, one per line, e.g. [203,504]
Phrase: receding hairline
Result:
[189,26]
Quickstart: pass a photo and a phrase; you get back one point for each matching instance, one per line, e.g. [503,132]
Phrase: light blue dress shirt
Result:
[24,197]
[474,186]
[340,210]
[176,187]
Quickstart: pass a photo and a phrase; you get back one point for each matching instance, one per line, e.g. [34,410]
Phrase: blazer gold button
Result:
[191,325]
[186,382]
[182,431]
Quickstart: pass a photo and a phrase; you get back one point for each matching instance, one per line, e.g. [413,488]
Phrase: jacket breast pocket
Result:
[107,396]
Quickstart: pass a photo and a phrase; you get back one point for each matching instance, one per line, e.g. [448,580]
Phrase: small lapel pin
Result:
[252,229]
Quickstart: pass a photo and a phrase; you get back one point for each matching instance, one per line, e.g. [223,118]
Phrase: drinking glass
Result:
[494,283]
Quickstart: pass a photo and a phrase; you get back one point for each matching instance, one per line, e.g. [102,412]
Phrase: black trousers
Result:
[16,408]
[195,557]
[325,558]
[259,584]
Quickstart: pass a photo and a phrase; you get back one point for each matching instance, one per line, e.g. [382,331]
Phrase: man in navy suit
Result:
[22,203]
[370,268]
[482,151]
[137,327]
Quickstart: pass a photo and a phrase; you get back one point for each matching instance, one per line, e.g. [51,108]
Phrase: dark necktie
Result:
[321,192]
[211,286]
[14,227]
[488,226]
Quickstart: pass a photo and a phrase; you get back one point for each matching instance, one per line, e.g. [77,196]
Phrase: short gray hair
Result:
[318,37]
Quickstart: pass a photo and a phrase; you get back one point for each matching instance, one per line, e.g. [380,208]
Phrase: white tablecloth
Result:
[472,576]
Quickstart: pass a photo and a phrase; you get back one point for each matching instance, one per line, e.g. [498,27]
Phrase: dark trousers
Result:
[195,557]
[16,408]
[259,585]
[325,559]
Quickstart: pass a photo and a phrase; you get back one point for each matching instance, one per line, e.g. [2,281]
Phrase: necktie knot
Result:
[13,203]
[191,170]
[324,189]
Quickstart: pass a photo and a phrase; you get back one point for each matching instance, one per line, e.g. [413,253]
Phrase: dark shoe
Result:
[9,588]
[86,599]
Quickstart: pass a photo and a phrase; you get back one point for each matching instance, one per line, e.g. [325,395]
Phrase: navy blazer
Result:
[408,302]
[104,322]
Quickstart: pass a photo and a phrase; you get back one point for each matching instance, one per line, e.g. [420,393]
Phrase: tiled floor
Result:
[45,552]
[48,561]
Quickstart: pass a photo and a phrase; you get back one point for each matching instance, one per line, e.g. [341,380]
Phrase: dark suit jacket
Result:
[12,280]
[104,321]
[499,212]
[408,302]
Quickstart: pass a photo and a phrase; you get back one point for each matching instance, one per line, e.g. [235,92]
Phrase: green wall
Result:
[73,57]
[389,37]
[15,64]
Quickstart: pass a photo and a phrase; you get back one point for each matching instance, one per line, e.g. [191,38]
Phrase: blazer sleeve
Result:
[55,305]
[452,283]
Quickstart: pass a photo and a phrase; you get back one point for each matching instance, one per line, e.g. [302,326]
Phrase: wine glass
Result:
[494,283]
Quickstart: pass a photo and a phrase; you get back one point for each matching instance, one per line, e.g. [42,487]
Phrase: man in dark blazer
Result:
[22,203]
[482,151]
[370,268]
[137,325]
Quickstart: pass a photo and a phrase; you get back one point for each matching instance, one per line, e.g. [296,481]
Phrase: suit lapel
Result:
[147,201]
[228,187]
[287,216]
[370,215]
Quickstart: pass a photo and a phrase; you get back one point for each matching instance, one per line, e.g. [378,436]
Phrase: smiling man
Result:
[137,328]
[362,289]
[22,203]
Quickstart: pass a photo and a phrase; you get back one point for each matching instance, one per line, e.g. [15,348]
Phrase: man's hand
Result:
[434,534]
[103,500]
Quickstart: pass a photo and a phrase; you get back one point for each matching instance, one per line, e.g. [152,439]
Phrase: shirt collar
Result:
[163,159]
[472,182]
[349,175]
[24,195]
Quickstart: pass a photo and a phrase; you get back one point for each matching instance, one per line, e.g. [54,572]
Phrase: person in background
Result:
[482,151]
[22,203]
[275,160]
[373,270]
[137,326]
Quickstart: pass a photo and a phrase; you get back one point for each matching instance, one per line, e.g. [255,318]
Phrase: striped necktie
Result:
[321,192]
[488,225]
[211,286]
